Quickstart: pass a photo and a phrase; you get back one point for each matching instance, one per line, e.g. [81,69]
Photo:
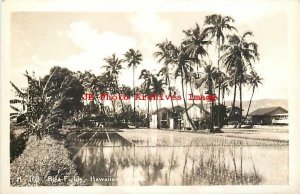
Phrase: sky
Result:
[81,40]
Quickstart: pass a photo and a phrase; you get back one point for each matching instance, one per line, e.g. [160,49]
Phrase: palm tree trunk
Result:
[234,97]
[249,103]
[192,92]
[212,105]
[158,123]
[241,104]
[219,89]
[172,104]
[148,114]
[223,94]
[114,106]
[185,105]
[170,94]
[133,95]
[118,91]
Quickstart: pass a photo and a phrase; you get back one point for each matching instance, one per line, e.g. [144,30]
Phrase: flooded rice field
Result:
[172,158]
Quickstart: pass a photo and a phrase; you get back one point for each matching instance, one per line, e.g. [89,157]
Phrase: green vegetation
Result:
[43,163]
[17,145]
[47,102]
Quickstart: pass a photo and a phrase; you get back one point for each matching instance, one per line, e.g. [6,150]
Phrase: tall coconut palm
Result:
[192,51]
[242,81]
[183,69]
[113,68]
[238,56]
[157,89]
[216,26]
[195,42]
[225,87]
[253,80]
[151,86]
[133,58]
[146,87]
[207,80]
[164,54]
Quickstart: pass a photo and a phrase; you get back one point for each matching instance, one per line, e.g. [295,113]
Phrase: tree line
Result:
[46,102]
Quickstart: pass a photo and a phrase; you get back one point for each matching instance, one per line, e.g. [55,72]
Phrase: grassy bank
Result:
[44,162]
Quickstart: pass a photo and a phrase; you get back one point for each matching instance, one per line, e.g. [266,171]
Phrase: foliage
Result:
[222,113]
[17,145]
[47,161]
[49,100]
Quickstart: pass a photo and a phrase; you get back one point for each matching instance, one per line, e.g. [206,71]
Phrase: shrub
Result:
[44,162]
[17,145]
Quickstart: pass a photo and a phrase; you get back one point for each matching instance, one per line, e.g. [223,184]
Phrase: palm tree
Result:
[217,24]
[113,68]
[183,70]
[192,50]
[164,55]
[146,87]
[207,80]
[225,85]
[133,58]
[195,41]
[238,55]
[157,89]
[242,80]
[254,80]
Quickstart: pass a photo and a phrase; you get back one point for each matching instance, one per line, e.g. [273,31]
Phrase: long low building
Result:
[270,116]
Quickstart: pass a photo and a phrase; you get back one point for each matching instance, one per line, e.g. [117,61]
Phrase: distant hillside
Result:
[263,103]
[255,104]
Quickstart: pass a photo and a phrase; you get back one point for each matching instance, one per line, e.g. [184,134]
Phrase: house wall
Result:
[153,122]
[163,121]
[171,123]
[159,120]
[262,120]
[195,114]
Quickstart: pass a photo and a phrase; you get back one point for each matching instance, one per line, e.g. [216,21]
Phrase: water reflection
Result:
[112,160]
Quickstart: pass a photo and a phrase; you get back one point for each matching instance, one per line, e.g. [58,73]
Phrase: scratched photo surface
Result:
[144,98]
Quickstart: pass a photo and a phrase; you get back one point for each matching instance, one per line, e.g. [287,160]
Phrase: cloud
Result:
[150,23]
[95,45]
[150,29]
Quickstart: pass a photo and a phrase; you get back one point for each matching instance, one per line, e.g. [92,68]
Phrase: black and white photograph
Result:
[182,93]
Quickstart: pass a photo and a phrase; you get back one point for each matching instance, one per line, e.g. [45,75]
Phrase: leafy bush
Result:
[44,162]
[17,145]
[48,101]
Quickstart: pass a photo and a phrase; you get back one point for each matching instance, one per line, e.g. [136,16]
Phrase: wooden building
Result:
[197,114]
[269,116]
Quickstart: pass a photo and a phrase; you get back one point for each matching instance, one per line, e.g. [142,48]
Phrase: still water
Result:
[109,159]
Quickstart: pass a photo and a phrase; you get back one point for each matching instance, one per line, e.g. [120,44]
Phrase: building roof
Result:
[200,106]
[266,111]
[180,108]
[177,109]
[156,111]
